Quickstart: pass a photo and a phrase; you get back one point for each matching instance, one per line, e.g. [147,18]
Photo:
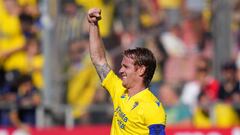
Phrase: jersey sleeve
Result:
[113,84]
[156,110]
[157,129]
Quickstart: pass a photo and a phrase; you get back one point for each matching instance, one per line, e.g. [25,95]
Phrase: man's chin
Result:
[124,85]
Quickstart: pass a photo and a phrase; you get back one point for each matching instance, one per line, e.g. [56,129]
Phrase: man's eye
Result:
[124,66]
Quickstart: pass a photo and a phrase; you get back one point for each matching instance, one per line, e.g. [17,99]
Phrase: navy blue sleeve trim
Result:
[156,129]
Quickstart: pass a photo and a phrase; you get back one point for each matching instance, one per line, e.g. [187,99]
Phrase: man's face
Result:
[128,72]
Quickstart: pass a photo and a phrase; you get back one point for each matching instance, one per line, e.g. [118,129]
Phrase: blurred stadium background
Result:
[48,85]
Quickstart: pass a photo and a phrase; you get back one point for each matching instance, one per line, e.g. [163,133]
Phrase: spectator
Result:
[177,112]
[151,18]
[29,62]
[69,24]
[175,67]
[173,10]
[208,114]
[229,85]
[82,80]
[11,37]
[30,18]
[28,99]
[7,96]
[203,82]
[30,25]
[172,41]
[101,101]
[229,91]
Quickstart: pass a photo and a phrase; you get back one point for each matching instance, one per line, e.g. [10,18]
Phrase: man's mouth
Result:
[124,76]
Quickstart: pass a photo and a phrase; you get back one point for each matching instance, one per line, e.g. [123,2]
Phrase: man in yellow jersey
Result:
[136,110]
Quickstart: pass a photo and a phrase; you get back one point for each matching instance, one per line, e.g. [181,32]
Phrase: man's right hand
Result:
[94,15]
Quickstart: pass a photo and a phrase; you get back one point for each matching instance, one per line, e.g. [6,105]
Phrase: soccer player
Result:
[136,110]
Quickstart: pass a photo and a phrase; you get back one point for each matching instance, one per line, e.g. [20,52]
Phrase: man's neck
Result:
[134,90]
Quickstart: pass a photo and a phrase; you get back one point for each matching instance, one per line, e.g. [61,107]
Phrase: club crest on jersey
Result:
[135,105]
[123,96]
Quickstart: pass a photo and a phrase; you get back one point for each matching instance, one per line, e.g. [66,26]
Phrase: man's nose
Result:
[121,70]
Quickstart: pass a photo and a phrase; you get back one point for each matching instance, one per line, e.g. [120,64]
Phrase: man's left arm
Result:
[156,125]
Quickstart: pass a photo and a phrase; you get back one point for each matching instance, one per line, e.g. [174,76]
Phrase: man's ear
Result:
[141,70]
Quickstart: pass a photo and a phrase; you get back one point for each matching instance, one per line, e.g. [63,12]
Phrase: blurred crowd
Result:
[21,62]
[178,32]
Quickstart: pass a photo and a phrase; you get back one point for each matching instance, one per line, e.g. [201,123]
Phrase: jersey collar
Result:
[139,94]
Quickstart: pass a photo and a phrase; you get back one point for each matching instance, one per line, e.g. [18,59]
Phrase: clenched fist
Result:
[94,15]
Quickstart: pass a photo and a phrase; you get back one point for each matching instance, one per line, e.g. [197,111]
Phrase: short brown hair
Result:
[143,57]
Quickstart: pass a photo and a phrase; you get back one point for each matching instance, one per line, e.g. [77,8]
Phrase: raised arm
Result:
[96,47]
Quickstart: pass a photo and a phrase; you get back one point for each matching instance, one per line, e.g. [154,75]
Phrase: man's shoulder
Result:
[154,108]
[149,97]
[151,105]
[112,77]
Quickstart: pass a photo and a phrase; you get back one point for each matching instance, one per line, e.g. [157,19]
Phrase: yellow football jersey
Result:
[132,115]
